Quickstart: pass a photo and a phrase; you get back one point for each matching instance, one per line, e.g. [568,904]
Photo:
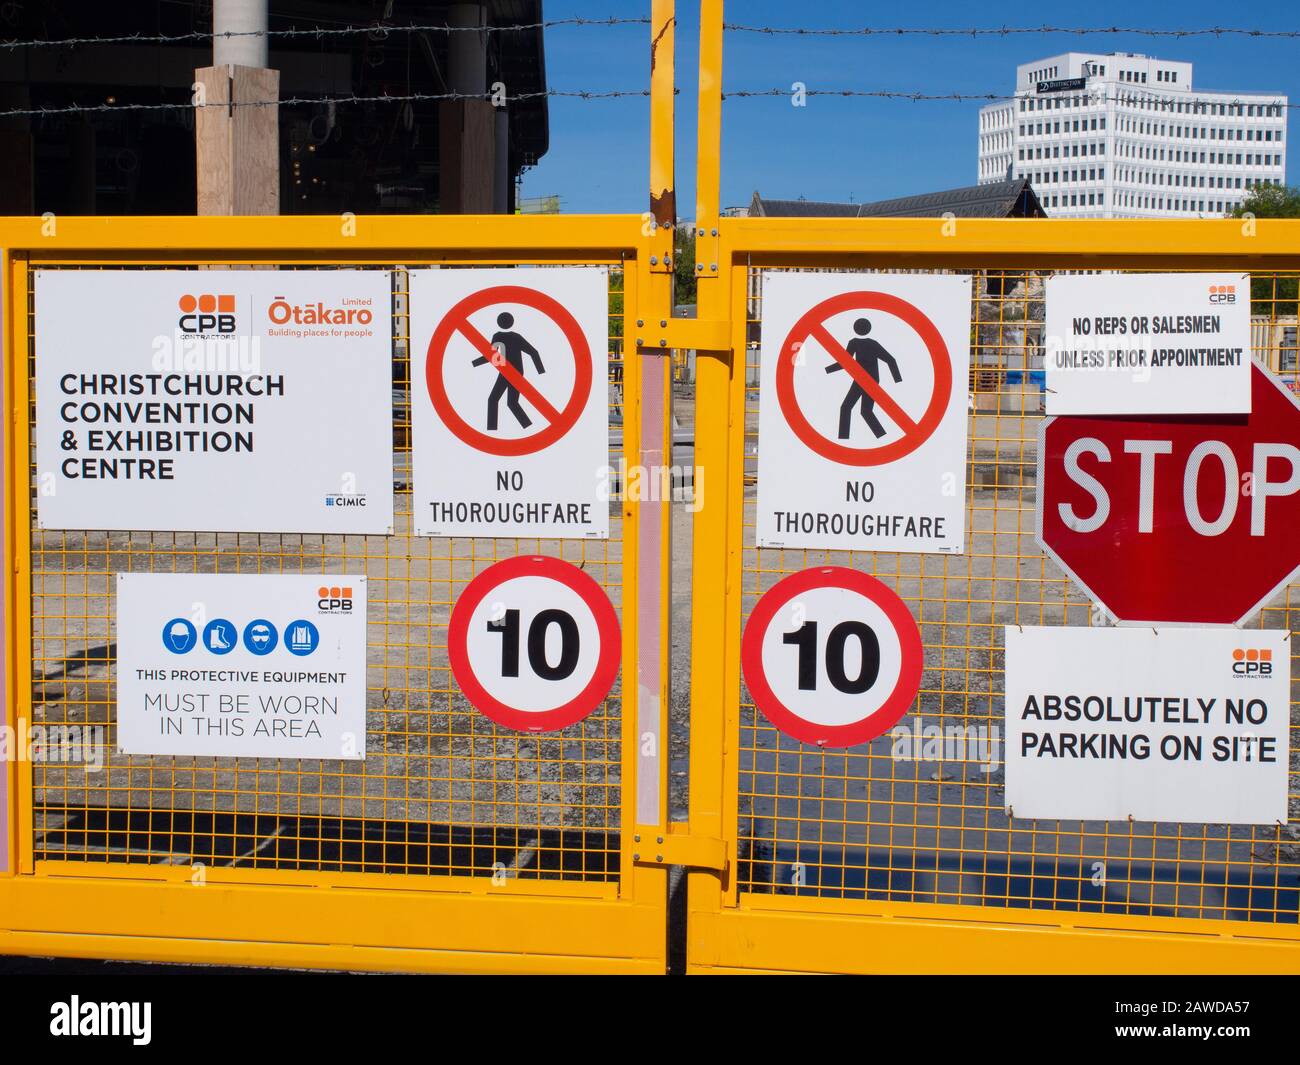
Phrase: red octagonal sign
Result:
[1176,520]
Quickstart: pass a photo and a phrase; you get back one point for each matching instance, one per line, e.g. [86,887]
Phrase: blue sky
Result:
[842,149]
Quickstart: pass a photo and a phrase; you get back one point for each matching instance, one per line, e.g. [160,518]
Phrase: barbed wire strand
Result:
[1128,97]
[375,30]
[298,101]
[1008,31]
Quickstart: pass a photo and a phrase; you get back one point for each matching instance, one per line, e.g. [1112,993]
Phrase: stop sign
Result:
[1172,519]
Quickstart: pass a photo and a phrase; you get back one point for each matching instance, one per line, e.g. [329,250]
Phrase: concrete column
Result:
[468,129]
[245,18]
[466,51]
[237,135]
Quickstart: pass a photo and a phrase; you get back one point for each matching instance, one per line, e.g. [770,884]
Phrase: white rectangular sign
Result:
[510,402]
[862,412]
[215,400]
[1174,724]
[1148,344]
[242,665]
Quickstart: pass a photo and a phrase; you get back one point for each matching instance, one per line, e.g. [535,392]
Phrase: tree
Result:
[1270,201]
[1271,295]
[684,265]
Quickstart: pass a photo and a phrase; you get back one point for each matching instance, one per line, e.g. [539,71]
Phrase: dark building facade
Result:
[137,154]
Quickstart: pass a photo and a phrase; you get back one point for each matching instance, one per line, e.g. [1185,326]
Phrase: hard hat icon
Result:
[179,636]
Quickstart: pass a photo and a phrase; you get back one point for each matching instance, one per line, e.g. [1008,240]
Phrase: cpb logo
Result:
[207,314]
[1223,293]
[334,600]
[1252,662]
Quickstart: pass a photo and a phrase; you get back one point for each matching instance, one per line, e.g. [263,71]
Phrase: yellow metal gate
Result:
[460,846]
[455,844]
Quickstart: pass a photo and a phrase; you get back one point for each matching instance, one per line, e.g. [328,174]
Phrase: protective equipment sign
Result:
[534,643]
[242,665]
[862,416]
[509,411]
[1169,724]
[831,656]
[214,401]
[1148,344]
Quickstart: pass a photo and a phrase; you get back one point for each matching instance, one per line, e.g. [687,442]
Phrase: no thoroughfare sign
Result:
[510,417]
[862,417]
[832,656]
[534,643]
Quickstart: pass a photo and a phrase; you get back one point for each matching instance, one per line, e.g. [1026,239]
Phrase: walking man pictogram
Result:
[511,348]
[868,354]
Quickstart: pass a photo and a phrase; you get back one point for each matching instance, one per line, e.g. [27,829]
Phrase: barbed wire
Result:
[1007,31]
[1127,97]
[298,101]
[375,30]
[881,94]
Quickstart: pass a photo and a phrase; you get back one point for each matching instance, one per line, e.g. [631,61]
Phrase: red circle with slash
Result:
[558,422]
[813,326]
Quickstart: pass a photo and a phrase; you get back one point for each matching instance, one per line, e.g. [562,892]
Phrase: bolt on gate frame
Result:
[108,868]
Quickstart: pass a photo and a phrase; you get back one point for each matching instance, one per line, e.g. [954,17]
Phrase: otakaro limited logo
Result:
[1252,662]
[207,313]
[334,600]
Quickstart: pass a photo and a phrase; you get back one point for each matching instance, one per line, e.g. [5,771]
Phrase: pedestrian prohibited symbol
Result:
[517,396]
[868,406]
[534,643]
[862,411]
[832,656]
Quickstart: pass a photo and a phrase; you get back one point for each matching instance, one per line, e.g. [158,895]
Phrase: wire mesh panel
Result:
[442,790]
[918,815]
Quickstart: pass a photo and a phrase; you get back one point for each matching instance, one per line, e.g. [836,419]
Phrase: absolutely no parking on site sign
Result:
[509,402]
[862,418]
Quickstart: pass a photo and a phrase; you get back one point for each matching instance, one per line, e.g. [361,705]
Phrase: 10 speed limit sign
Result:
[832,656]
[534,643]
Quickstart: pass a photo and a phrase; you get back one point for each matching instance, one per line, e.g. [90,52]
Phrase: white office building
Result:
[1127,136]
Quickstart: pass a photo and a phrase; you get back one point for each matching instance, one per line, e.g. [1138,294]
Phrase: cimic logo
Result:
[339,500]
[1223,293]
[1252,662]
[206,314]
[334,600]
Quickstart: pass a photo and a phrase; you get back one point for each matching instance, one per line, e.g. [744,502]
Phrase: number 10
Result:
[805,638]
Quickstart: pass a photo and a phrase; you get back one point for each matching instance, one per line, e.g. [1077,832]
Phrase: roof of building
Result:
[998,199]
